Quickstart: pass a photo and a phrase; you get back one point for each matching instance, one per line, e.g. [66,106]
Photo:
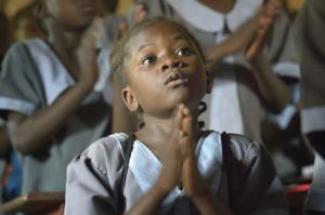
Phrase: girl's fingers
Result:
[180,116]
[187,122]
[186,134]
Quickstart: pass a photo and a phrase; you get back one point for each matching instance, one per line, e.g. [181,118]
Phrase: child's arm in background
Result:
[30,134]
[276,94]
[274,91]
[235,43]
[243,36]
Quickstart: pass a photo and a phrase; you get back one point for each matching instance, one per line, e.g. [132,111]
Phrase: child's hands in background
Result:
[249,37]
[266,20]
[87,54]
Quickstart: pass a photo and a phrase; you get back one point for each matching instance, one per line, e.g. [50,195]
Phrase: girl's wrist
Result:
[160,190]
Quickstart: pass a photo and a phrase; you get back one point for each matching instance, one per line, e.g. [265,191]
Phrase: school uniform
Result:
[311,32]
[234,104]
[94,178]
[33,78]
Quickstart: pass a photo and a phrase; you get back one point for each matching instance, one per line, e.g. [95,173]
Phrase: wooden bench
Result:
[38,203]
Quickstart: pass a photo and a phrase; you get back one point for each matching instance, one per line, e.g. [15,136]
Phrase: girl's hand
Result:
[191,178]
[87,54]
[170,175]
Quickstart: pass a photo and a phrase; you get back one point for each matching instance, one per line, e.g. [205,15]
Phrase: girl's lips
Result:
[176,79]
[176,82]
[174,76]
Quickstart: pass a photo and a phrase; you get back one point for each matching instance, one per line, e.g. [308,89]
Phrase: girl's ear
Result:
[129,99]
[40,10]
[209,76]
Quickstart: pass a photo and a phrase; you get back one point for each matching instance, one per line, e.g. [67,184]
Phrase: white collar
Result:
[206,19]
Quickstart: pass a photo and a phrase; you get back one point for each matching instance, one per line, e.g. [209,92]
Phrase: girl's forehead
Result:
[162,28]
[157,32]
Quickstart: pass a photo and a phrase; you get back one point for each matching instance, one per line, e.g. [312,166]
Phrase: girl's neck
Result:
[222,6]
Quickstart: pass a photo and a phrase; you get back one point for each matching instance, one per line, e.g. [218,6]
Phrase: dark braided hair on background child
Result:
[120,54]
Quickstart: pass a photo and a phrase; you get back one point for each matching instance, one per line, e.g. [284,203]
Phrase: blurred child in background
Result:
[50,94]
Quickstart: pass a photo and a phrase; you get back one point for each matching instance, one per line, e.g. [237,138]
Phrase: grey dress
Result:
[94,177]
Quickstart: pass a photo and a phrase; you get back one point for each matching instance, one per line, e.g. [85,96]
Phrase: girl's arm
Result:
[208,204]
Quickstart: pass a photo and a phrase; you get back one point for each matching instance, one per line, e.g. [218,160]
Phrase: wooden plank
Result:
[35,203]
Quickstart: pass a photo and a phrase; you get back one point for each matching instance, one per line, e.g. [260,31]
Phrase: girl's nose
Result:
[171,63]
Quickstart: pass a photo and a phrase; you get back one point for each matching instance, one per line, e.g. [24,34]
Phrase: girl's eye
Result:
[147,60]
[184,52]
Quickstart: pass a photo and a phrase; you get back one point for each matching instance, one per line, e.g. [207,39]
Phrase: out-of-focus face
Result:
[294,5]
[164,69]
[74,14]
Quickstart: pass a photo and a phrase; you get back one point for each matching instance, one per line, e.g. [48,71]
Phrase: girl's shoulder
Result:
[106,151]
[240,145]
[238,148]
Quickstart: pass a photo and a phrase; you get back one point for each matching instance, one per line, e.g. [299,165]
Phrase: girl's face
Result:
[164,69]
[74,14]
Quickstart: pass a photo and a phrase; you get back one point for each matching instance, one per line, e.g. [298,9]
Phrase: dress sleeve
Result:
[86,189]
[20,85]
[257,189]
[92,181]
